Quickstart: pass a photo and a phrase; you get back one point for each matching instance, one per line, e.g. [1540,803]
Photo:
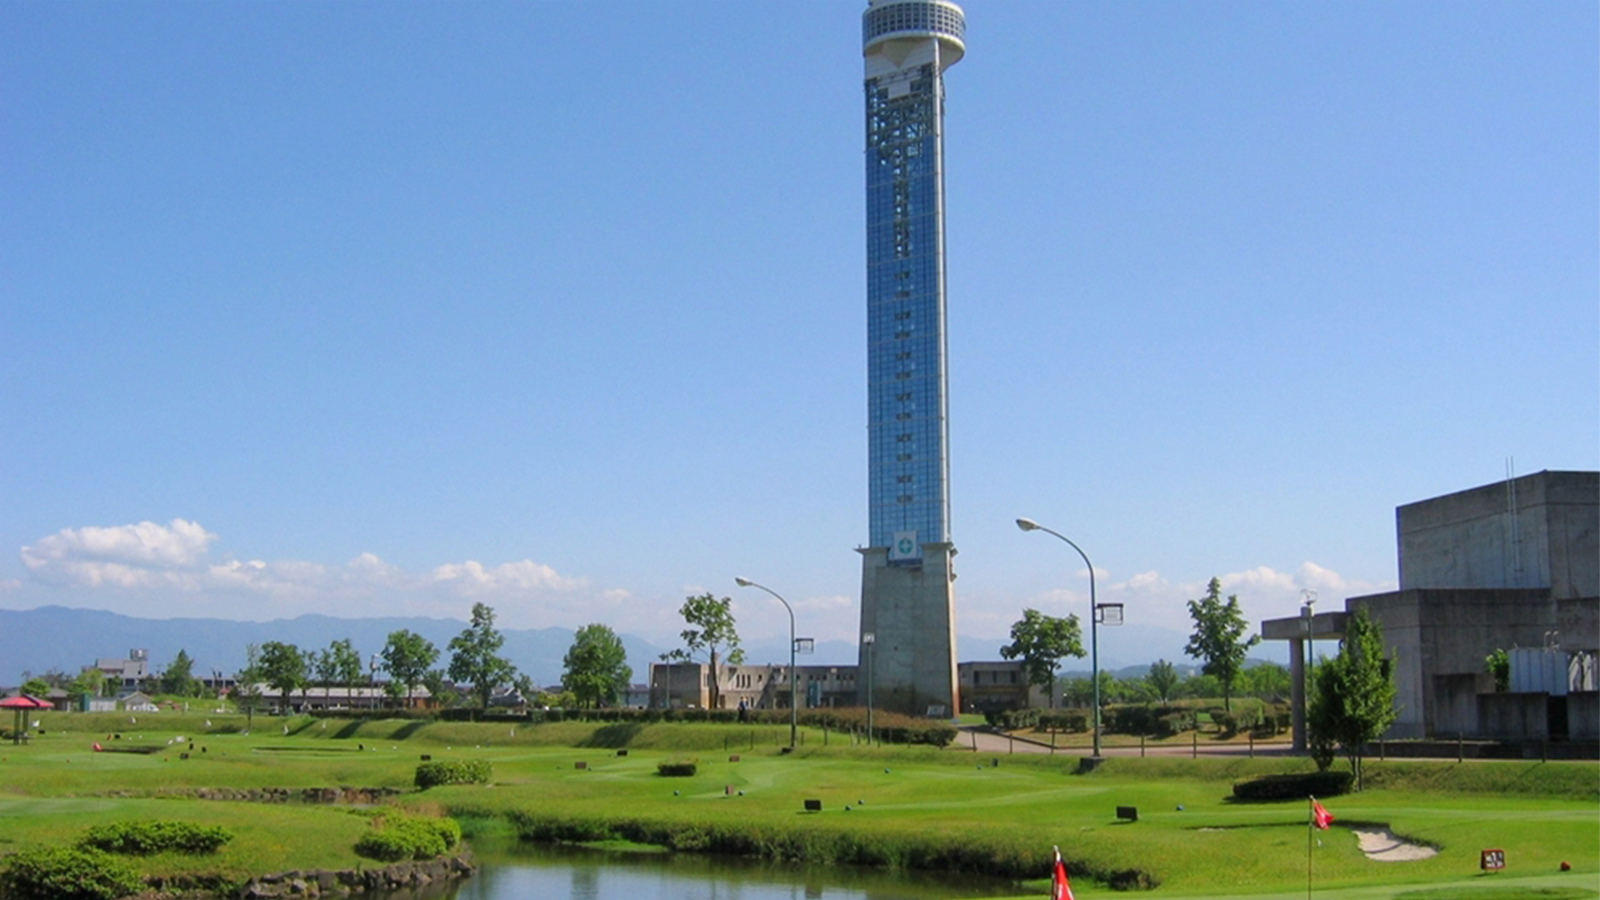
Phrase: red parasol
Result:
[22,703]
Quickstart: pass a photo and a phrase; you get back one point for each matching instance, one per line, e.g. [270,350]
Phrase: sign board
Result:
[1492,860]
[905,547]
[1108,613]
[805,645]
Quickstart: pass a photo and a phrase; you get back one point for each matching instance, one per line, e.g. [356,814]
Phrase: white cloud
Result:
[179,545]
[1148,598]
[828,603]
[165,570]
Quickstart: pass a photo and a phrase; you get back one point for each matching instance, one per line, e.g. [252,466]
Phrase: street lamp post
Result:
[870,639]
[794,700]
[1309,611]
[1094,612]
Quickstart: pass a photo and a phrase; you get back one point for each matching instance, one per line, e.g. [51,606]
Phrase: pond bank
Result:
[345,882]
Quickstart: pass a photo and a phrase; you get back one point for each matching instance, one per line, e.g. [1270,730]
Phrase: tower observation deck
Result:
[907,601]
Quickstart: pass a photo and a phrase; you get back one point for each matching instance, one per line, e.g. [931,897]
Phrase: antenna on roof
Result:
[1516,528]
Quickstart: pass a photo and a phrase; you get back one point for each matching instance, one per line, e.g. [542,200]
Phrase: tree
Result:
[89,683]
[1041,641]
[525,686]
[39,685]
[247,685]
[597,670]
[1269,681]
[283,667]
[440,687]
[407,657]
[555,700]
[714,633]
[179,677]
[1199,686]
[340,664]
[1354,699]
[1498,665]
[1111,690]
[474,655]
[1163,679]
[1077,692]
[1218,637]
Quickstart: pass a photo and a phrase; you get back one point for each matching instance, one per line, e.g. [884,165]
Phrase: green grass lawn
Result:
[910,805]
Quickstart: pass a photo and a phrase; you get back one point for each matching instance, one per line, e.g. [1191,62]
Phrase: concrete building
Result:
[124,673]
[1003,684]
[337,697]
[907,597]
[1510,566]
[688,686]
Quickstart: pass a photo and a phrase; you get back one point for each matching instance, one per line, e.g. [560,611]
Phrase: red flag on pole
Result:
[1060,888]
[1320,815]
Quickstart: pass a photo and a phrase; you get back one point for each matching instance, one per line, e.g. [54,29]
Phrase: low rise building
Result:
[129,674]
[1513,566]
[1003,684]
[678,685]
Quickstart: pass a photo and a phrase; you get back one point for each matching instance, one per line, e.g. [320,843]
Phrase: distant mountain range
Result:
[58,637]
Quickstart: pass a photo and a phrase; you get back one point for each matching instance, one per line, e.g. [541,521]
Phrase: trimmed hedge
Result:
[1013,719]
[398,838]
[471,771]
[677,768]
[146,836]
[68,873]
[1296,786]
[1065,719]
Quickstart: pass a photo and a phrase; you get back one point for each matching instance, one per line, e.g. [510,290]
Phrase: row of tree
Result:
[408,659]
[178,680]
[1218,640]
[596,671]
[1164,683]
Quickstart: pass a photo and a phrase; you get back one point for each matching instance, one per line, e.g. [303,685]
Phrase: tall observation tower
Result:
[907,601]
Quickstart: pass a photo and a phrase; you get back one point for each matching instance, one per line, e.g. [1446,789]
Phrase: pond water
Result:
[515,871]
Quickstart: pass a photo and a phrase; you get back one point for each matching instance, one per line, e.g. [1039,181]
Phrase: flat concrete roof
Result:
[1323,625]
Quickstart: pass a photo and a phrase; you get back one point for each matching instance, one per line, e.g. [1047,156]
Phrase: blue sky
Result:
[386,309]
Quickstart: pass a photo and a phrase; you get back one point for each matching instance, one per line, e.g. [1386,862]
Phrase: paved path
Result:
[982,741]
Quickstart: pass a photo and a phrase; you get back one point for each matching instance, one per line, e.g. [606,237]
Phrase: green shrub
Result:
[470,771]
[1175,722]
[1065,720]
[1296,786]
[1012,719]
[682,768]
[891,728]
[144,837]
[1132,719]
[397,838]
[68,873]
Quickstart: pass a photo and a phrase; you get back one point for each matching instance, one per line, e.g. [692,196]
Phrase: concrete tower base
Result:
[910,611]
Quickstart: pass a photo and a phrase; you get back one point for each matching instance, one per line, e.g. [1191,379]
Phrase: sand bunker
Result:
[1383,845]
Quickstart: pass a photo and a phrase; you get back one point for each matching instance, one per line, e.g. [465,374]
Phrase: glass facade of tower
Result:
[908,467]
